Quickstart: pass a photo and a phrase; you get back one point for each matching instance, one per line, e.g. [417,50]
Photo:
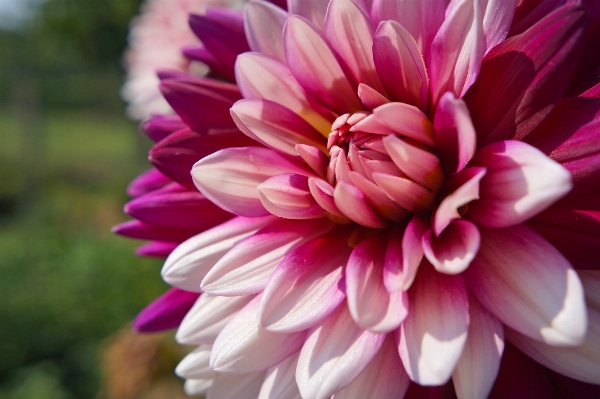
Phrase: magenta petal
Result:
[453,250]
[370,97]
[263,23]
[454,134]
[230,177]
[400,65]
[377,199]
[370,304]
[407,121]
[178,208]
[351,202]
[160,126]
[275,126]
[297,298]
[175,155]
[520,182]
[156,249]
[523,77]
[288,196]
[146,182]
[166,311]
[313,64]
[406,193]
[314,158]
[349,30]
[145,231]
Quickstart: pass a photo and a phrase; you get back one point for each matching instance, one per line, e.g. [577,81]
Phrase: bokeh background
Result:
[68,287]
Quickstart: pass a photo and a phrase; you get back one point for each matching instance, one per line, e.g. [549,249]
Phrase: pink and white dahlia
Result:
[410,193]
[155,41]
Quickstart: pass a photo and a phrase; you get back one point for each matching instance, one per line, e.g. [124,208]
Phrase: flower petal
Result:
[196,365]
[383,378]
[454,134]
[230,177]
[520,182]
[349,30]
[313,10]
[433,335]
[351,202]
[400,65]
[297,298]
[406,193]
[527,284]
[247,267]
[313,64]
[263,24]
[478,365]
[165,312]
[453,250]
[187,265]
[335,353]
[236,386]
[288,196]
[407,121]
[280,382]
[197,387]
[205,320]
[245,347]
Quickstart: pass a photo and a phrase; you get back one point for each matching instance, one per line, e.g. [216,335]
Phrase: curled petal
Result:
[230,177]
[351,201]
[478,365]
[323,194]
[400,65]
[527,284]
[520,182]
[407,121]
[370,97]
[245,347]
[247,267]
[335,352]
[370,304]
[406,193]
[314,65]
[187,265]
[288,196]
[453,250]
[433,335]
[297,298]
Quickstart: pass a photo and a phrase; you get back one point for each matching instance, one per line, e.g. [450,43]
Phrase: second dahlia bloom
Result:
[418,191]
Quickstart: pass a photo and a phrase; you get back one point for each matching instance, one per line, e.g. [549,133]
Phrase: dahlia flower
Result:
[394,199]
[155,41]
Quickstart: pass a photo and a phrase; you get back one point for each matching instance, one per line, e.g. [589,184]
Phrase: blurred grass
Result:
[66,283]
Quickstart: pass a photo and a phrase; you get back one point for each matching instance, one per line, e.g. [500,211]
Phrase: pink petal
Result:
[581,362]
[146,182]
[245,347]
[400,65]
[454,133]
[452,251]
[187,265]
[275,126]
[422,19]
[383,378]
[158,249]
[406,120]
[520,182]
[145,231]
[197,387]
[377,199]
[372,125]
[469,31]
[478,365]
[433,335]
[314,65]
[335,353]
[313,10]
[280,381]
[523,77]
[351,202]
[404,254]
[297,298]
[288,196]
[314,158]
[370,304]
[205,320]
[406,193]
[421,166]
[160,126]
[263,23]
[196,365]
[323,194]
[230,177]
[236,386]
[527,284]
[247,267]
[262,77]
[467,181]
[165,312]
[349,31]
[370,97]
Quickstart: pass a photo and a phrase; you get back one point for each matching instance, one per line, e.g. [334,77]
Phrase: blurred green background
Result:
[67,153]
